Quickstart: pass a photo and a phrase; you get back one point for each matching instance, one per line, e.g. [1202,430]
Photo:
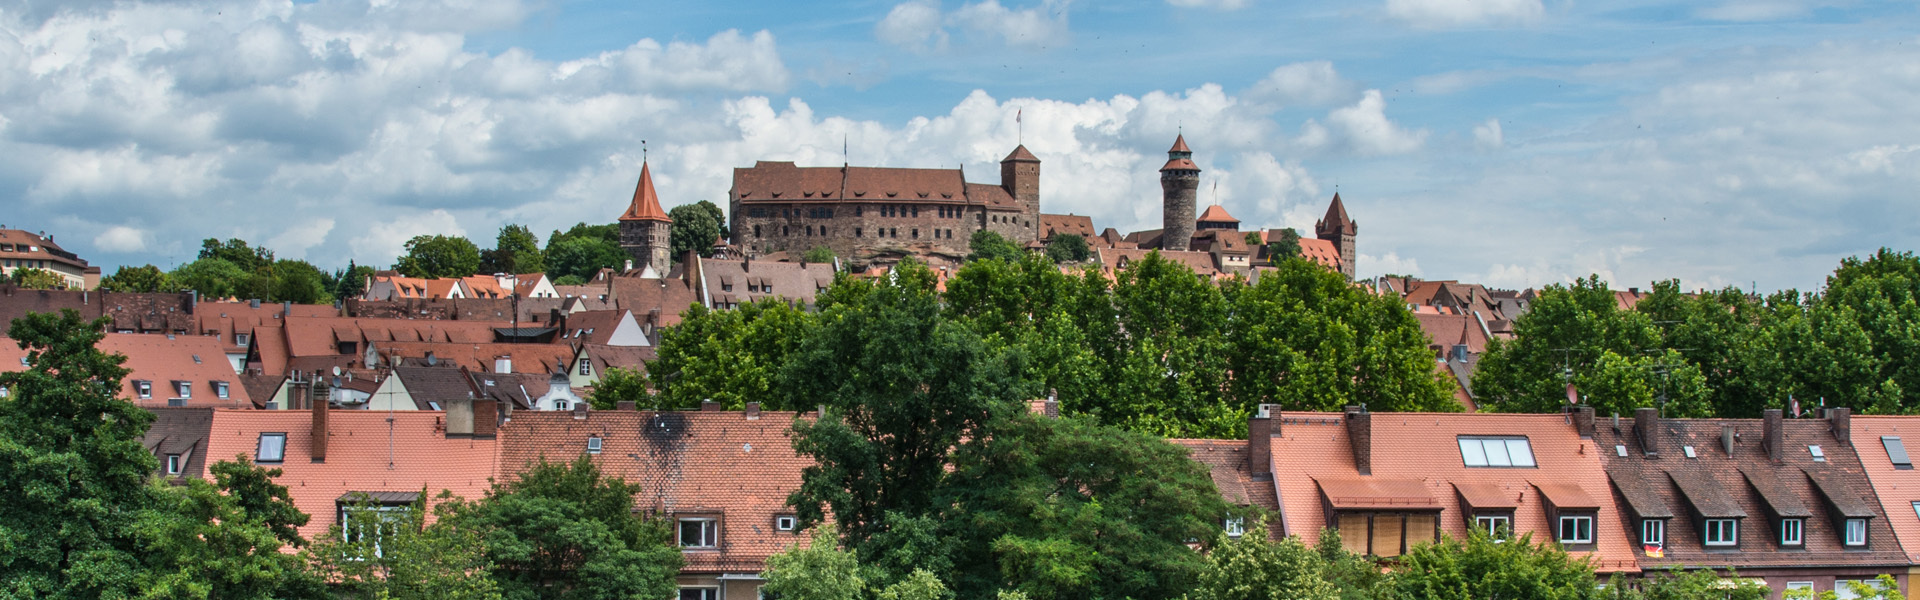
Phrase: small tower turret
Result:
[1339,230]
[1179,184]
[1020,175]
[645,229]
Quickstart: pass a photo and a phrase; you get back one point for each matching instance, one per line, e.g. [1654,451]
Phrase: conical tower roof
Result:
[1336,218]
[646,203]
[1179,144]
[1179,158]
[1020,154]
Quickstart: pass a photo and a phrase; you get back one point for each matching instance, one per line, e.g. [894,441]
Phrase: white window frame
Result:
[174,463]
[586,367]
[279,454]
[786,523]
[1235,526]
[1856,532]
[709,533]
[1729,529]
[594,444]
[705,592]
[1578,530]
[1492,523]
[1653,532]
[221,389]
[387,514]
[183,389]
[241,339]
[1793,532]
[143,388]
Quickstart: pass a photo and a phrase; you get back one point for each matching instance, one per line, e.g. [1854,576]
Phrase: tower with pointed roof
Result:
[1179,186]
[1336,228]
[1020,175]
[645,229]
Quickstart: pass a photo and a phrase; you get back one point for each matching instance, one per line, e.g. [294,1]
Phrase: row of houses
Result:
[1795,503]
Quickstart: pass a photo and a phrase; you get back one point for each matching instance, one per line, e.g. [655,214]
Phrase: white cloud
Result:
[1488,136]
[294,242]
[1389,264]
[914,25]
[1313,83]
[1362,129]
[385,238]
[121,238]
[1446,14]
[1214,4]
[1758,10]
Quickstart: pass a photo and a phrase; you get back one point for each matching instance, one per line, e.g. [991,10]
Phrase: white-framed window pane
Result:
[1496,454]
[1722,532]
[220,389]
[1520,453]
[1856,532]
[699,593]
[1790,530]
[173,464]
[698,533]
[185,388]
[273,447]
[1576,530]
[1653,531]
[1472,453]
[1493,525]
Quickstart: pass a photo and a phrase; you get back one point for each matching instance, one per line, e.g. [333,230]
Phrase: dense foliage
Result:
[145,279]
[579,253]
[515,251]
[438,256]
[1725,353]
[695,227]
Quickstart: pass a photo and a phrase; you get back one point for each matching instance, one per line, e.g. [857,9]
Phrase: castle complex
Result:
[869,213]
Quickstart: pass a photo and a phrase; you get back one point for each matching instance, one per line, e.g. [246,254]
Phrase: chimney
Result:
[625,405]
[1360,436]
[1646,426]
[254,303]
[709,405]
[486,418]
[1260,432]
[1051,408]
[320,432]
[460,417]
[1773,439]
[1841,420]
[1726,438]
[629,265]
[753,411]
[1583,421]
[580,411]
[503,364]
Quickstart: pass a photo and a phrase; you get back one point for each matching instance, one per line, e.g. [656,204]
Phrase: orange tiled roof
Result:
[646,202]
[1051,225]
[711,463]
[1216,214]
[1320,251]
[358,458]
[1897,489]
[161,360]
[526,358]
[1311,450]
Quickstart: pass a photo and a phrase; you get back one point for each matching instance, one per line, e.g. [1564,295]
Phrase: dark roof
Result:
[1020,154]
[632,358]
[1336,219]
[1779,500]
[180,431]
[1707,497]
[1639,494]
[435,384]
[261,388]
[770,181]
[1849,503]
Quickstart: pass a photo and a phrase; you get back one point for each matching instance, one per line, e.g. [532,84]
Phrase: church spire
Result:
[646,203]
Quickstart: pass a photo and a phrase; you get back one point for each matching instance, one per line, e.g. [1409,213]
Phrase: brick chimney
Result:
[1583,421]
[460,417]
[580,411]
[1646,426]
[1773,438]
[625,405]
[709,405]
[1360,436]
[486,418]
[1260,432]
[320,431]
[1841,420]
[753,411]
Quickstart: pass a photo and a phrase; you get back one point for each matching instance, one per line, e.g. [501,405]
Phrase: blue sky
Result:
[1511,142]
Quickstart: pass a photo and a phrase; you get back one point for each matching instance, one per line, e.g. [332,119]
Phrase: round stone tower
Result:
[1179,185]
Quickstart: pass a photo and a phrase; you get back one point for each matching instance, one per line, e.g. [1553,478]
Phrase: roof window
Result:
[1818,454]
[273,448]
[1689,451]
[1479,451]
[1896,452]
[593,445]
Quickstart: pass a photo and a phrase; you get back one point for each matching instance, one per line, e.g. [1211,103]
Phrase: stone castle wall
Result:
[861,229]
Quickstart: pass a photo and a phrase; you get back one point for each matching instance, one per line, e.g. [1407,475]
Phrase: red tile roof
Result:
[1051,225]
[1216,214]
[1320,251]
[1021,154]
[526,358]
[1179,144]
[197,360]
[1896,489]
[646,202]
[367,451]
[711,463]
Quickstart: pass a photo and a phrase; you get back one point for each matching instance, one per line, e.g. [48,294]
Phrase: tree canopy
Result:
[695,227]
[144,279]
[438,256]
[987,244]
[515,251]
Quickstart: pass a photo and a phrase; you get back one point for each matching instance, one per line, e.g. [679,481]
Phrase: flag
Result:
[1654,551]
[1018,113]
[1793,406]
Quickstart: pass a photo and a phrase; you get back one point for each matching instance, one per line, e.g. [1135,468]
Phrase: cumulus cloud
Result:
[1488,136]
[385,236]
[1362,129]
[1367,265]
[1214,4]
[1758,10]
[914,25]
[919,25]
[121,238]
[1313,83]
[294,242]
[1446,14]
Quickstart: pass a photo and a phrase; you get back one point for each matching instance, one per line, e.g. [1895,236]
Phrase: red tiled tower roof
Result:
[646,203]
[1216,214]
[1020,153]
[1179,144]
[1336,218]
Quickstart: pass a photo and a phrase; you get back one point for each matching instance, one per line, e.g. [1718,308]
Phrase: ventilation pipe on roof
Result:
[1771,438]
[1726,438]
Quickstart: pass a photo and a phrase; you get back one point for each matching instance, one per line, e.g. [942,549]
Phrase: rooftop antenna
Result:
[1216,192]
[1019,127]
[643,152]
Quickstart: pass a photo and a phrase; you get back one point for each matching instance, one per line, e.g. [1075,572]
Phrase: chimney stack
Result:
[709,405]
[1360,436]
[1260,432]
[1583,421]
[625,405]
[1726,438]
[1841,420]
[460,418]
[320,431]
[1646,426]
[580,411]
[486,418]
[753,411]
[1774,437]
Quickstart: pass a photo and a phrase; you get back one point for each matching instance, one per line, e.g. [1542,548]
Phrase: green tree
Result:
[617,385]
[819,571]
[1483,567]
[1163,352]
[1068,508]
[1068,247]
[695,227]
[987,244]
[1866,316]
[919,585]
[730,356]
[438,256]
[37,279]
[238,252]
[259,499]
[903,388]
[145,279]
[1689,585]
[1253,567]
[568,532]
[1287,246]
[1578,334]
[1306,339]
[213,278]
[299,282]
[515,251]
[819,254]
[583,257]
[71,458]
[350,282]
[387,554]
[199,543]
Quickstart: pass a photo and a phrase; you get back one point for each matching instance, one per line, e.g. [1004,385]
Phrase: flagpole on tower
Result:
[1019,127]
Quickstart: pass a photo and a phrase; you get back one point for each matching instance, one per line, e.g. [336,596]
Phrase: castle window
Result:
[784,231]
[856,231]
[916,234]
[916,210]
[809,231]
[893,232]
[756,231]
[858,211]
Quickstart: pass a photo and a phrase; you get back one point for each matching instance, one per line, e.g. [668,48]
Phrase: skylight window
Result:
[1689,451]
[1818,454]
[1896,452]
[1620,450]
[1496,451]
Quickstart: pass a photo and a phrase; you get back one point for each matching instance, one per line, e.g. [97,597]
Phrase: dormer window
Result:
[220,389]
[241,339]
[1653,532]
[1856,532]
[1722,532]
[699,533]
[1494,525]
[173,464]
[1236,526]
[183,389]
[143,389]
[1576,529]
[1793,532]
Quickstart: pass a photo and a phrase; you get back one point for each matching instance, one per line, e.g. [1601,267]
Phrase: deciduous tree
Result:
[145,279]
[730,356]
[438,256]
[566,531]
[695,227]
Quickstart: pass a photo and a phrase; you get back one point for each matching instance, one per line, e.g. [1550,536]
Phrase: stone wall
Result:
[861,229]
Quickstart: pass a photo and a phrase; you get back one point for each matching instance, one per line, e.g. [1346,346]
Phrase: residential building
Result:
[178,440]
[593,361]
[1780,500]
[232,323]
[163,370]
[127,313]
[27,250]
[1882,449]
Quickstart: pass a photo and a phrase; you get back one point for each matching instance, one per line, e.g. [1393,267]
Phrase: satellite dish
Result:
[336,370]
